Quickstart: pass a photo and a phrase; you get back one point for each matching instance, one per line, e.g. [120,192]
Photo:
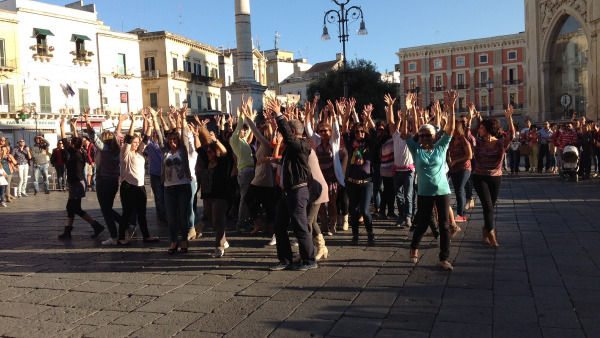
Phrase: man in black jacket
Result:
[296,176]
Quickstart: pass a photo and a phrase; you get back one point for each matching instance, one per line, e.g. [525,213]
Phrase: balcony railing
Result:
[8,65]
[438,89]
[461,86]
[513,82]
[207,80]
[151,74]
[482,85]
[182,75]
[121,73]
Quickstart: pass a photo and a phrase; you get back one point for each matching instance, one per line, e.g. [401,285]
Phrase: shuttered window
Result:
[45,103]
[84,100]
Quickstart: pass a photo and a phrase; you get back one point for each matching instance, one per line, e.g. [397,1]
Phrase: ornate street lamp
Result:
[489,85]
[343,14]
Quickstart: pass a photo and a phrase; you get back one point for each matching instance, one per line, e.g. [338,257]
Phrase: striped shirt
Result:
[488,159]
[566,138]
[387,158]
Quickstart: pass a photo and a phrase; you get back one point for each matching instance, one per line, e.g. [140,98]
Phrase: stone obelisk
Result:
[244,84]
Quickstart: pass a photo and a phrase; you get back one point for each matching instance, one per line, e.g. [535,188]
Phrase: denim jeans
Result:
[359,196]
[245,176]
[177,205]
[403,182]
[2,192]
[158,190]
[377,186]
[37,170]
[61,177]
[106,192]
[23,172]
[459,179]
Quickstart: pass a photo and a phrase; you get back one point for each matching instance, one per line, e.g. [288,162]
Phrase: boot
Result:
[485,235]
[66,234]
[345,223]
[98,228]
[371,238]
[321,248]
[492,239]
[258,226]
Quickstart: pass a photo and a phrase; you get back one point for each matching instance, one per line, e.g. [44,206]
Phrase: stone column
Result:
[244,84]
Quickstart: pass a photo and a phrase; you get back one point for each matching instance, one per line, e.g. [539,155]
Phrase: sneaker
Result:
[273,241]
[218,253]
[304,267]
[110,241]
[460,219]
[446,266]
[294,242]
[226,245]
[130,231]
[3,204]
[24,195]
[280,266]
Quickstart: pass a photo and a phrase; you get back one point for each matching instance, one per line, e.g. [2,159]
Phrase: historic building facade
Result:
[563,58]
[467,67]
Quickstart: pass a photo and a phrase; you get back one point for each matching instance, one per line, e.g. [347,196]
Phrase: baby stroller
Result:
[570,164]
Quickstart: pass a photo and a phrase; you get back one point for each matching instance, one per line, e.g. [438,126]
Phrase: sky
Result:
[391,24]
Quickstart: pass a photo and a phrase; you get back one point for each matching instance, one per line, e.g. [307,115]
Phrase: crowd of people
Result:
[316,171]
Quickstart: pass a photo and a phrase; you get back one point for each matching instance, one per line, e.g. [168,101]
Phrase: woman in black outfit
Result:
[75,163]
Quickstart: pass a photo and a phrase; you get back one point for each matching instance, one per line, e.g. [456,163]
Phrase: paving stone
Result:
[355,327]
[21,310]
[303,327]
[465,314]
[63,315]
[462,329]
[551,332]
[101,317]
[261,290]
[94,286]
[154,330]
[373,303]
[38,296]
[179,318]
[129,303]
[264,320]
[233,285]
[153,290]
[112,330]
[136,318]
[389,333]
[327,309]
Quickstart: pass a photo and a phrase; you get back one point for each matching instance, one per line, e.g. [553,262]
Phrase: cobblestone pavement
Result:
[543,281]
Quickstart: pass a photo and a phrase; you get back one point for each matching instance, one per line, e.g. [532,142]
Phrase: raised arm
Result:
[63,135]
[451,123]
[511,126]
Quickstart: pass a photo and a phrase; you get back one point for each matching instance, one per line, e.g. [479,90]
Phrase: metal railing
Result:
[150,74]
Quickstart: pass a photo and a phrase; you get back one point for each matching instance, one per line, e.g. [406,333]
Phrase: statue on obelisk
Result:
[244,84]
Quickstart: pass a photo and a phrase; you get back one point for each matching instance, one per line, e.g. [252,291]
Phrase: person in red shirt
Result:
[58,159]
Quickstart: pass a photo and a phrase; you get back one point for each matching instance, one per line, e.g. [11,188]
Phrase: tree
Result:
[364,84]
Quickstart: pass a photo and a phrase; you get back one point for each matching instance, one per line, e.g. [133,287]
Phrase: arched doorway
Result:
[568,70]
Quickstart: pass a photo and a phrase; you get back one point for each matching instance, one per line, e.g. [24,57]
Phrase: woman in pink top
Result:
[489,151]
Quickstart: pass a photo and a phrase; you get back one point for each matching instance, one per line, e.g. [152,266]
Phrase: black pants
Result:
[74,208]
[515,160]
[292,207]
[133,199]
[544,152]
[423,217]
[257,196]
[487,188]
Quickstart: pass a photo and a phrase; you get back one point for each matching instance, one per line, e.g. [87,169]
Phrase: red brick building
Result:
[466,66]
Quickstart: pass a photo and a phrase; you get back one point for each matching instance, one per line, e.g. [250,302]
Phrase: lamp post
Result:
[353,12]
[489,85]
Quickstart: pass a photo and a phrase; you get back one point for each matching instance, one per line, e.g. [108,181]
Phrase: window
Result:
[412,84]
[121,64]
[461,104]
[105,100]
[412,67]
[187,66]
[460,61]
[512,75]
[45,104]
[272,85]
[5,97]
[512,99]
[216,103]
[206,71]
[460,79]
[271,69]
[484,101]
[228,80]
[438,81]
[512,55]
[483,58]
[208,105]
[483,76]
[188,98]
[154,100]
[84,100]
[199,102]
[174,64]
[80,49]
[437,63]
[2,54]
[149,63]
[215,73]
[177,100]
[197,69]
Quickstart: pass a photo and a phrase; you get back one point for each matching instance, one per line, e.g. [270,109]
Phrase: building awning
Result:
[42,31]
[81,37]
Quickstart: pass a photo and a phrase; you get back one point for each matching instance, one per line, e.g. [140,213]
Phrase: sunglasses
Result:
[425,135]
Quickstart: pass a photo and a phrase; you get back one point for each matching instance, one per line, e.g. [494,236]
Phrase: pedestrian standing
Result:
[22,155]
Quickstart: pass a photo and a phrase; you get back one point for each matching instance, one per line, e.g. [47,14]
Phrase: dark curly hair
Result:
[492,126]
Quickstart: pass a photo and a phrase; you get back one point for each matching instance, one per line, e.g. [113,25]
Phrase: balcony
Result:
[151,74]
[481,85]
[207,80]
[8,65]
[181,75]
[513,82]
[438,89]
[121,73]
[461,86]
[42,53]
[82,57]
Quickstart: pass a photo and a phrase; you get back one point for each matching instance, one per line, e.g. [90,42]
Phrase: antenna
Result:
[277,36]
[257,42]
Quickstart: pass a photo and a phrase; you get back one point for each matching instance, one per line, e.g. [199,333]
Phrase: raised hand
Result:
[509,112]
[471,110]
[409,101]
[388,100]
[367,110]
